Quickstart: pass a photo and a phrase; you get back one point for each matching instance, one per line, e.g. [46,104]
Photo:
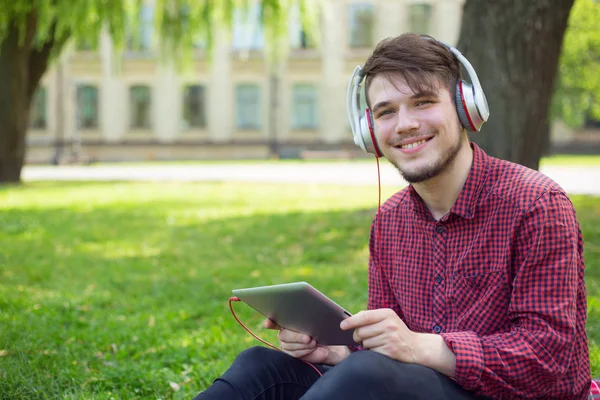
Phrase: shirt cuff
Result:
[469,358]
[355,348]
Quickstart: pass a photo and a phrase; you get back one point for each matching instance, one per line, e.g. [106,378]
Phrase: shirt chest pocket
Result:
[480,279]
[480,297]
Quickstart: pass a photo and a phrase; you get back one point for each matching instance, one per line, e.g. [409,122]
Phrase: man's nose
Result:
[406,122]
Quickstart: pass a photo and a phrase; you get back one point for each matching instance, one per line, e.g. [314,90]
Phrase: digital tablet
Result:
[301,308]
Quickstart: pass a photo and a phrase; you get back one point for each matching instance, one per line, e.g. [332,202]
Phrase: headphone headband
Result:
[480,100]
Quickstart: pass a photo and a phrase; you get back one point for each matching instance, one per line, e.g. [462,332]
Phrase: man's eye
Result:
[385,112]
[423,102]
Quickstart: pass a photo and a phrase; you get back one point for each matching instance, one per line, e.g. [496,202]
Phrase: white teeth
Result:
[411,145]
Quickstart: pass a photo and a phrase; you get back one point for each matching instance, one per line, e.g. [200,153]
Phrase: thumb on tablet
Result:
[271,325]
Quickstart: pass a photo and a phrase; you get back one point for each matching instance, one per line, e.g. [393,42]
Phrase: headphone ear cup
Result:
[365,134]
[461,109]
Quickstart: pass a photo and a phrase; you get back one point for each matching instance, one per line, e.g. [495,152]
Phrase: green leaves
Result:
[577,93]
[178,26]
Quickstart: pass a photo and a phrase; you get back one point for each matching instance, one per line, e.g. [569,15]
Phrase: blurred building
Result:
[236,105]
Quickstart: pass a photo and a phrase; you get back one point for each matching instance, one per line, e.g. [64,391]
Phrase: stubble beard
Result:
[426,172]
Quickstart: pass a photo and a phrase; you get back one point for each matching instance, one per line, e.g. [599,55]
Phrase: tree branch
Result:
[39,59]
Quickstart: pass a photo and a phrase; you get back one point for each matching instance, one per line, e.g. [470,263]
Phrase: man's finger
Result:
[286,335]
[300,353]
[292,347]
[363,318]
[368,331]
[376,343]
[271,325]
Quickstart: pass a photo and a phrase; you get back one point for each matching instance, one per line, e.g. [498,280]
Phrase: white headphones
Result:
[471,106]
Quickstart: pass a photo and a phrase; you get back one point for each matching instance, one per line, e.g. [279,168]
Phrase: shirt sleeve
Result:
[530,358]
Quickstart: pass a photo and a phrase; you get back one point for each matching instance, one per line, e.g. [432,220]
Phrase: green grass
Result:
[119,290]
[571,160]
[555,160]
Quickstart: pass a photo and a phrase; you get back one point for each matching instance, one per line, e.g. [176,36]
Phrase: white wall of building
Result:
[328,68]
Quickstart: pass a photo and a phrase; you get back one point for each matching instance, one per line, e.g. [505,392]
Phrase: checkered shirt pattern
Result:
[500,278]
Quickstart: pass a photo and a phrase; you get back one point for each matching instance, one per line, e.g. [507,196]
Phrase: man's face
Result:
[417,132]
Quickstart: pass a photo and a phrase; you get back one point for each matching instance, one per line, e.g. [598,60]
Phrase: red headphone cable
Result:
[378,216]
[377,236]
[231,300]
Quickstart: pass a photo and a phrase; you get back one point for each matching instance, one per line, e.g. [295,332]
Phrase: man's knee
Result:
[374,375]
[369,366]
[256,361]
[260,355]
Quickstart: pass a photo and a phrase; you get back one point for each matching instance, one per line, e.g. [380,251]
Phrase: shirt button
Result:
[438,279]
[437,329]
[439,229]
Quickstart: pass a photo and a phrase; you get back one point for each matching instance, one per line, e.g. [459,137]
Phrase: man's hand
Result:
[384,332]
[304,347]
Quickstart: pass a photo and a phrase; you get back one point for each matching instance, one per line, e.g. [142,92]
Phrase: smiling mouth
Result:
[414,144]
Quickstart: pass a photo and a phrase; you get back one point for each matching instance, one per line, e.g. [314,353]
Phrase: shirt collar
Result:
[469,195]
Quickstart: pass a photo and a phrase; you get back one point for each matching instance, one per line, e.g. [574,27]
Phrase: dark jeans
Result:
[266,374]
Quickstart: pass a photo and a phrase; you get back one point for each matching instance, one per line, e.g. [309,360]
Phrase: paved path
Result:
[575,180]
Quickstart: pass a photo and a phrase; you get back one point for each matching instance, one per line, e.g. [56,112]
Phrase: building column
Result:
[221,102]
[58,107]
[446,20]
[284,115]
[391,19]
[332,102]
[167,105]
[113,94]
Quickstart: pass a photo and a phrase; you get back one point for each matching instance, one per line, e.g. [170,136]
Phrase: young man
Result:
[476,271]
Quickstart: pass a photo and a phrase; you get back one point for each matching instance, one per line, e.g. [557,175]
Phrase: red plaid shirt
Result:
[500,277]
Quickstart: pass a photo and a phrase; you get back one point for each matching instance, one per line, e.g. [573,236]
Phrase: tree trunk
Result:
[14,104]
[21,67]
[514,46]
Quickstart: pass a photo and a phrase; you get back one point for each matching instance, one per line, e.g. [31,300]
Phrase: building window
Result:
[84,44]
[299,38]
[194,106]
[247,99]
[591,122]
[304,107]
[139,103]
[419,18]
[87,106]
[139,34]
[248,33]
[305,41]
[362,18]
[37,112]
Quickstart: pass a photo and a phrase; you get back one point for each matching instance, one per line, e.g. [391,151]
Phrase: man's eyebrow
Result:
[379,105]
[424,93]
[418,95]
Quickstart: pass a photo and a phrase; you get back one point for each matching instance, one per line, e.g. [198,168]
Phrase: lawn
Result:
[574,160]
[571,160]
[120,290]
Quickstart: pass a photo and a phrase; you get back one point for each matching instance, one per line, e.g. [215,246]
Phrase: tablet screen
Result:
[300,307]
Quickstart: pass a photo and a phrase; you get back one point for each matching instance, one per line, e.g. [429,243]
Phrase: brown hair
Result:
[421,60]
